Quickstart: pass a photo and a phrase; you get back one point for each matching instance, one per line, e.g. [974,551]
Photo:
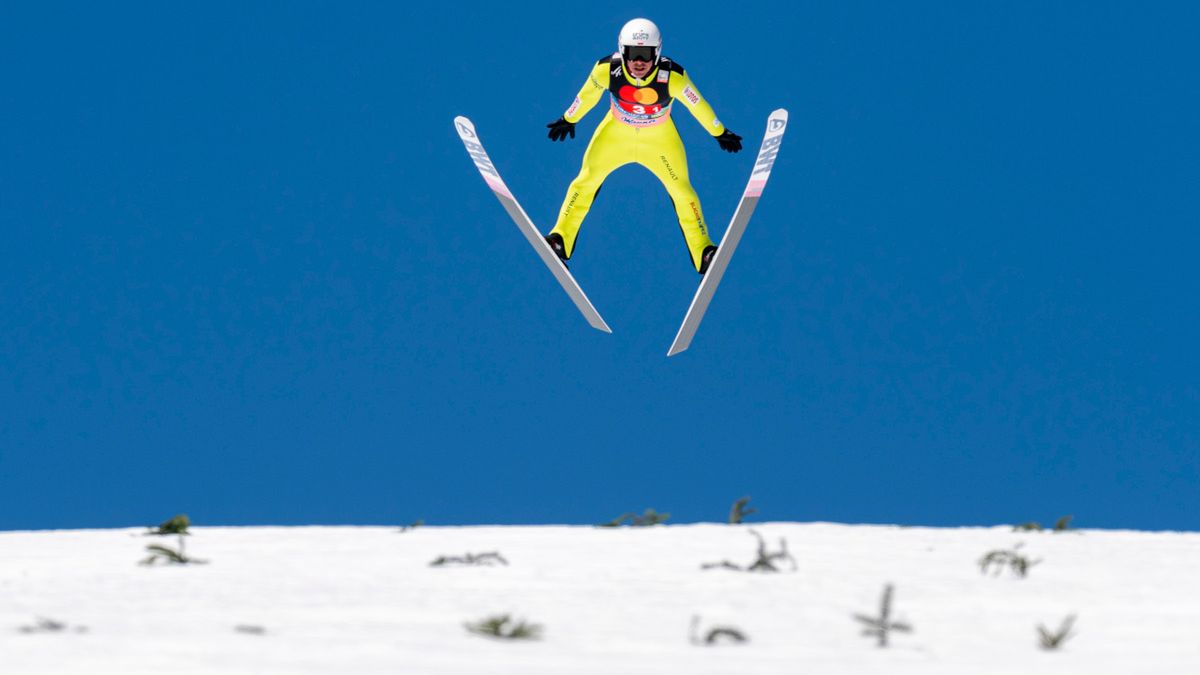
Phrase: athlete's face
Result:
[640,60]
[640,69]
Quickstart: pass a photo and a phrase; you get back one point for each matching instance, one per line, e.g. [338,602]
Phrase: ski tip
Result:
[676,349]
[464,127]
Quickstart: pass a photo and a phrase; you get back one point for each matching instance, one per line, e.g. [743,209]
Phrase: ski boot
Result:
[556,244]
[706,258]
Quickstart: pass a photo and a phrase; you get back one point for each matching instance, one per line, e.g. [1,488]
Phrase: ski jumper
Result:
[638,128]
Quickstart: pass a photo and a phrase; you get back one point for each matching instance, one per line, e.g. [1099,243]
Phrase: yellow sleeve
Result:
[682,89]
[591,92]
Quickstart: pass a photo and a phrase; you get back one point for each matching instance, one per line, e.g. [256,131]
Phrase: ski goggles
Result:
[647,54]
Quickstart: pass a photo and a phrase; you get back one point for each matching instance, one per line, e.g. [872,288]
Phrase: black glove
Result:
[730,142]
[559,129]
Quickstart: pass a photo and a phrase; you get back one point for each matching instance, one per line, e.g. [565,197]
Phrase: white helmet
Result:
[640,34]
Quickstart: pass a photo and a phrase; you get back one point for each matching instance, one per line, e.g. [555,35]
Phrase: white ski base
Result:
[466,132]
[776,125]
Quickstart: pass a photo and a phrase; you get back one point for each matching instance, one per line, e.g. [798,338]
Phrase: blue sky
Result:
[249,273]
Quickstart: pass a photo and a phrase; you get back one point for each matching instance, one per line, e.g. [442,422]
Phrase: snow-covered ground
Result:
[609,601]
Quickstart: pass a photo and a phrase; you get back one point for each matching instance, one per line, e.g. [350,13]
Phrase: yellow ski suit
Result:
[638,128]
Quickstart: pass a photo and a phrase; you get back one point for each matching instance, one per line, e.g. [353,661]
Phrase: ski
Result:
[776,125]
[466,132]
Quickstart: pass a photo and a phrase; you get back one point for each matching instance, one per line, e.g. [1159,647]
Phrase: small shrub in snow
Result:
[1010,558]
[714,634]
[177,525]
[503,627]
[882,625]
[1051,641]
[650,517]
[45,625]
[765,562]
[1061,525]
[490,558]
[738,512]
[412,526]
[170,556]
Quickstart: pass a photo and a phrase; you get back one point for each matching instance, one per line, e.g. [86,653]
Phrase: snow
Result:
[365,600]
